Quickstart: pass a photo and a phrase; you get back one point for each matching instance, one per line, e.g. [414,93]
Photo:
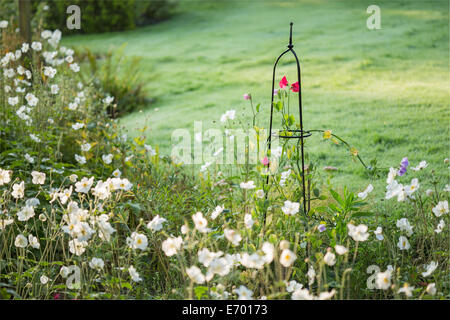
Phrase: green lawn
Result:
[385,91]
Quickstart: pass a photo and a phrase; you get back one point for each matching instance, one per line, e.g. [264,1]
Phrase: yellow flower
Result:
[327,134]
[353,152]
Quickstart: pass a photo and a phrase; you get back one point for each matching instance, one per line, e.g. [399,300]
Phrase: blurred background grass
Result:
[385,91]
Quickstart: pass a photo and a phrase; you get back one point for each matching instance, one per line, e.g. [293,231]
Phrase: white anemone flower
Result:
[430,268]
[364,194]
[171,245]
[287,258]
[441,208]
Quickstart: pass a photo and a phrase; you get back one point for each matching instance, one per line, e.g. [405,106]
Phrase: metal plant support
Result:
[294,133]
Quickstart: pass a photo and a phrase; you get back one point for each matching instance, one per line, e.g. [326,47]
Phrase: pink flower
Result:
[247,96]
[57,296]
[283,82]
[275,92]
[265,161]
[295,87]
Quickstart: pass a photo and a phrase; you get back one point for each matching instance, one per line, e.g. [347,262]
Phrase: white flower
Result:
[18,190]
[156,223]
[430,268]
[75,67]
[403,243]
[431,289]
[287,257]
[77,247]
[358,233]
[243,293]
[150,150]
[86,147]
[107,158]
[3,24]
[440,226]
[406,289]
[260,194]
[205,166]
[220,266]
[54,89]
[254,260]
[13,101]
[44,279]
[31,99]
[171,245]
[293,285]
[340,249]
[77,126]
[84,185]
[447,188]
[383,280]
[25,47]
[302,294]
[290,208]
[228,115]
[134,274]
[311,275]
[80,159]
[34,242]
[200,222]
[248,220]
[117,173]
[26,213]
[233,236]
[5,222]
[330,258]
[73,105]
[195,274]
[36,46]
[46,34]
[96,264]
[379,233]
[102,190]
[410,189]
[205,256]
[35,138]
[38,177]
[404,225]
[364,194]
[5,176]
[269,252]
[21,241]
[391,176]
[218,210]
[137,241]
[441,208]
[422,165]
[108,100]
[64,272]
[247,185]
[395,189]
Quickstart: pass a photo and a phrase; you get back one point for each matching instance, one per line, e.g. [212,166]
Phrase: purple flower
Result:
[275,92]
[403,165]
[322,227]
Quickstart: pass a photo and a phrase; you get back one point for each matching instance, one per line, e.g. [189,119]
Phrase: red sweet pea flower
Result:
[283,82]
[265,161]
[295,87]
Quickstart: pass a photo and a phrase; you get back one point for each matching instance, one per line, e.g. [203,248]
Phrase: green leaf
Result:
[201,291]
[336,197]
[257,107]
[361,214]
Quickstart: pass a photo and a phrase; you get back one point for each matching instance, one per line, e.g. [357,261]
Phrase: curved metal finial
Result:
[290,46]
